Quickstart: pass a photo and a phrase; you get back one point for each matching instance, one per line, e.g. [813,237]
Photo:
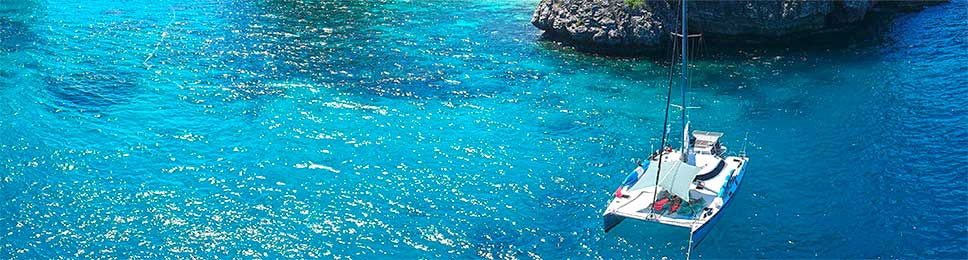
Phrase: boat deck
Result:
[706,199]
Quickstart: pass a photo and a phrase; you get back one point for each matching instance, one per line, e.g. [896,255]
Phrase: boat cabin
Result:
[707,142]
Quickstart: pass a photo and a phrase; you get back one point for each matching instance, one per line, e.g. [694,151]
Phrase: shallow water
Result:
[424,129]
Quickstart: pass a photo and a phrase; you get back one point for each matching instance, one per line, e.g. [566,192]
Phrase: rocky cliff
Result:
[647,23]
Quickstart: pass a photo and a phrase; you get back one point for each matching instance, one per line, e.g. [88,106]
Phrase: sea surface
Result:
[453,129]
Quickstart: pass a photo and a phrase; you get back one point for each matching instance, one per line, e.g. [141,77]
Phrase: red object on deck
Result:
[674,208]
[618,192]
[658,204]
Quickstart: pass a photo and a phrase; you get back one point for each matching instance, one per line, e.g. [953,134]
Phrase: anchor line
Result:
[164,34]
[689,249]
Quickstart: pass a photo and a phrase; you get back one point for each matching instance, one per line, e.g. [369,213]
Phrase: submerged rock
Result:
[92,90]
[646,23]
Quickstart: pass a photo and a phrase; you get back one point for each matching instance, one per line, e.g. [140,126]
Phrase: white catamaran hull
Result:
[637,204]
[698,234]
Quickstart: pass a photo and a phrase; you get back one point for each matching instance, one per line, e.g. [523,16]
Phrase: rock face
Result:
[647,23]
[605,22]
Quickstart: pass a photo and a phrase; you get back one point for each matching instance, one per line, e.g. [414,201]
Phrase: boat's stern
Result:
[610,220]
[611,217]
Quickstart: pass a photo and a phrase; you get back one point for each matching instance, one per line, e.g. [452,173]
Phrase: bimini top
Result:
[705,140]
[675,177]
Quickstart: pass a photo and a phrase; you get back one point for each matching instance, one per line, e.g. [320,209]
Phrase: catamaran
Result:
[687,187]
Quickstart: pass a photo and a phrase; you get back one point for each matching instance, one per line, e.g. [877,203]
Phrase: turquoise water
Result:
[424,129]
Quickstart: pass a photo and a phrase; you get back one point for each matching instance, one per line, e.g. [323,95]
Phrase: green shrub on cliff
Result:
[635,3]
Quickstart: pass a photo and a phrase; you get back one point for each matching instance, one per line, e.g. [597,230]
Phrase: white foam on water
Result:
[314,166]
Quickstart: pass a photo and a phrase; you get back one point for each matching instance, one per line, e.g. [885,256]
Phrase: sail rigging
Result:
[685,66]
[665,122]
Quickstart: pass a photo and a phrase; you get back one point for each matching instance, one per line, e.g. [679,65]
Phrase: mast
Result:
[685,65]
[665,122]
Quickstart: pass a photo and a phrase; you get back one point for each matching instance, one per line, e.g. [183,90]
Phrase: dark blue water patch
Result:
[15,35]
[284,40]
[6,75]
[94,91]
[256,91]
[790,107]
[429,87]
[499,239]
[113,12]
[568,127]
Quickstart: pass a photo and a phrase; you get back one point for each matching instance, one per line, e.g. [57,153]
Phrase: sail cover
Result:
[675,177]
